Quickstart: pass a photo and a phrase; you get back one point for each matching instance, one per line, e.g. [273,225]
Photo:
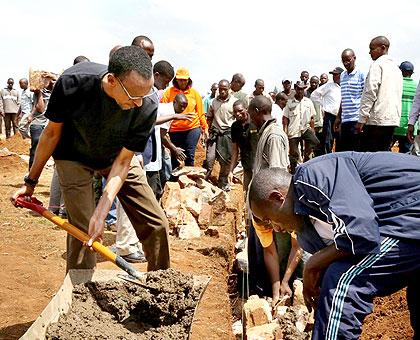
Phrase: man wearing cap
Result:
[352,83]
[380,107]
[287,88]
[298,122]
[409,90]
[329,97]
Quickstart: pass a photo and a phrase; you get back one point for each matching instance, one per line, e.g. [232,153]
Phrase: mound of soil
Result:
[161,309]
[16,144]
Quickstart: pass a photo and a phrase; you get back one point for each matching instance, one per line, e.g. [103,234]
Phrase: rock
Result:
[257,312]
[192,199]
[5,152]
[281,311]
[212,231]
[185,182]
[188,169]
[171,202]
[241,261]
[197,173]
[237,329]
[285,300]
[240,245]
[269,331]
[188,227]
[205,215]
[298,299]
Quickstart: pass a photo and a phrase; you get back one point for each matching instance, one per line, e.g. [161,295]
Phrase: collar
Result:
[224,101]
[267,123]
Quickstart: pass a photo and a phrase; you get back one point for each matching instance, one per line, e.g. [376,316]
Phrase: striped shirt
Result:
[351,93]
[409,90]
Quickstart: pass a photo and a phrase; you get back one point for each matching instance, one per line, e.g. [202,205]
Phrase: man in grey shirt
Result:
[26,100]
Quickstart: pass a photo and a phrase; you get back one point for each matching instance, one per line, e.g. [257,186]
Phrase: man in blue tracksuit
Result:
[359,215]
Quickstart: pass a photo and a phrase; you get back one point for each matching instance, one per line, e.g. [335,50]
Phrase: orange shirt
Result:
[195,104]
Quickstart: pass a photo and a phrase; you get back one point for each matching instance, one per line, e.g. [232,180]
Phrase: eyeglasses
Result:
[151,93]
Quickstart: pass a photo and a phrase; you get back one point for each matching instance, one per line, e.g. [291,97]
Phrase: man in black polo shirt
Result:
[99,117]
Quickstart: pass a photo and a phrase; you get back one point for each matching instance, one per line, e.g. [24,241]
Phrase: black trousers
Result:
[376,138]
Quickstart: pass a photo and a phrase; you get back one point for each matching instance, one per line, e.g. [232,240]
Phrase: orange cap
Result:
[182,73]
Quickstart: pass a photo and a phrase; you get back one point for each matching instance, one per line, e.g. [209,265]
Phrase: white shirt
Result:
[381,98]
[299,114]
[164,109]
[277,113]
[329,97]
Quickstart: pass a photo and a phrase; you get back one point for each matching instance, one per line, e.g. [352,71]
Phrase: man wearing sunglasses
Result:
[99,117]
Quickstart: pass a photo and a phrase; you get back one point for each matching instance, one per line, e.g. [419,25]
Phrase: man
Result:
[219,143]
[236,85]
[25,109]
[409,90]
[352,82]
[380,107]
[304,76]
[272,253]
[209,98]
[313,85]
[370,243]
[323,79]
[80,59]
[117,101]
[9,107]
[298,122]
[413,119]
[244,141]
[287,88]
[329,97]
[278,107]
[145,43]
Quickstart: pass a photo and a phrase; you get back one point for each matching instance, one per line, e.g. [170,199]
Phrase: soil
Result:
[32,261]
[115,309]
[288,326]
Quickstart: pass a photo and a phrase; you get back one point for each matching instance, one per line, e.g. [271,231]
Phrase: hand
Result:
[96,230]
[311,282]
[230,178]
[410,133]
[180,155]
[275,288]
[285,289]
[45,74]
[337,125]
[205,136]
[26,191]
[359,127]
[185,116]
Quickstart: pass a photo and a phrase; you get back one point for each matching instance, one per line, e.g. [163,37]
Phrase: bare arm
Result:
[166,141]
[294,258]
[271,261]
[116,178]
[234,160]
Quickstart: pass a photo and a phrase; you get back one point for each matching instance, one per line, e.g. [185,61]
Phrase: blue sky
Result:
[262,39]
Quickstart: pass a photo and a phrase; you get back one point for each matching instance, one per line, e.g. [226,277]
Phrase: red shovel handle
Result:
[30,203]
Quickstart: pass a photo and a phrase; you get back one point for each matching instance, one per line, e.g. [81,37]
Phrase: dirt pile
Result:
[16,144]
[161,309]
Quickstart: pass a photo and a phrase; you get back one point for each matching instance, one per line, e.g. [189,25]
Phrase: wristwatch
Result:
[29,181]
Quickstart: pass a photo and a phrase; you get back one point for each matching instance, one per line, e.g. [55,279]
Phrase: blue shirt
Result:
[351,93]
[363,196]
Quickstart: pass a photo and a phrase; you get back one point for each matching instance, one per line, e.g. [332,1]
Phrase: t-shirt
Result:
[277,113]
[221,111]
[95,127]
[246,138]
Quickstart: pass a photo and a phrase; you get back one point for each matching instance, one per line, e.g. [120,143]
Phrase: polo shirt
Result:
[351,93]
[222,113]
[409,91]
[299,114]
[95,128]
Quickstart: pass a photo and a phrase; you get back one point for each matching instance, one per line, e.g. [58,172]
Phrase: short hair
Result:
[137,40]
[181,96]
[130,58]
[24,80]
[164,68]
[224,81]
[265,181]
[381,40]
[348,50]
[260,104]
[258,81]
[238,77]
[11,80]
[281,95]
[242,102]
[80,59]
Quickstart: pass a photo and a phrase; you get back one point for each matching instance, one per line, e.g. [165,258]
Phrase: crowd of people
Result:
[123,128]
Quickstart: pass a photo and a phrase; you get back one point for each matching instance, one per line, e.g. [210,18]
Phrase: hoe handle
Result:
[35,205]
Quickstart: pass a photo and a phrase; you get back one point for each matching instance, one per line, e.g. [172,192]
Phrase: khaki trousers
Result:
[137,199]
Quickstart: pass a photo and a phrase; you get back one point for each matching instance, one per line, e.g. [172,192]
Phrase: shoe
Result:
[137,257]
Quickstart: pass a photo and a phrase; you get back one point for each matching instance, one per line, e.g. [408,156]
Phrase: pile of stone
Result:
[194,205]
[290,319]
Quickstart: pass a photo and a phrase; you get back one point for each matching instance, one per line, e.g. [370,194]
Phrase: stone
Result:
[257,312]
[212,231]
[205,215]
[269,331]
[171,202]
[240,245]
[185,182]
[237,329]
[298,299]
[5,152]
[188,227]
[188,169]
[281,311]
[192,199]
[285,300]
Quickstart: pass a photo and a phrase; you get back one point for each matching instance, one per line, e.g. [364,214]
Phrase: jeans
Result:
[36,131]
[186,140]
[328,134]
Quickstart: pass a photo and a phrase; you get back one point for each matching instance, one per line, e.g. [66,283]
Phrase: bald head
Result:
[378,47]
[238,81]
[180,103]
[145,43]
[381,40]
[260,110]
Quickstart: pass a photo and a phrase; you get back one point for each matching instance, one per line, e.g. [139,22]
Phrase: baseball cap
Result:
[300,84]
[407,66]
[182,73]
[337,70]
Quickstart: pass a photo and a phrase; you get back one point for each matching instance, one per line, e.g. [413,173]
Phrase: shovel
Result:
[35,205]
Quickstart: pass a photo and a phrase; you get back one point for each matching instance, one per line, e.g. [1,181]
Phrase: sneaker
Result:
[137,257]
